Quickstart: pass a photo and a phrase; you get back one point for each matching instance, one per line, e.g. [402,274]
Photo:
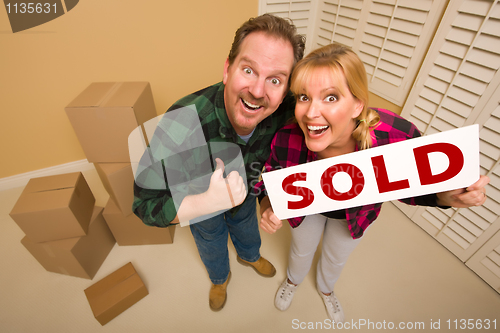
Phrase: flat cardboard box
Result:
[54,207]
[80,256]
[104,115]
[118,180]
[130,230]
[115,293]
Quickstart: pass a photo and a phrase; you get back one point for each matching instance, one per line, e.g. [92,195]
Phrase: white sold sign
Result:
[429,164]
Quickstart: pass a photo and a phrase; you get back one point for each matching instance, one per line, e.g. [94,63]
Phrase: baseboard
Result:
[23,178]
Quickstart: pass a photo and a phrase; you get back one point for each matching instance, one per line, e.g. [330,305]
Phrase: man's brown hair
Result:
[273,26]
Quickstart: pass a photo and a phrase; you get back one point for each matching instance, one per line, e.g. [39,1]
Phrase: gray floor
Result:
[397,276]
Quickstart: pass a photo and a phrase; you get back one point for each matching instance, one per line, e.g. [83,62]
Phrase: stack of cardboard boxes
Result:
[103,116]
[64,231]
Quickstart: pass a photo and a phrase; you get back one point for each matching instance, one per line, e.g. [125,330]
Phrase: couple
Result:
[265,84]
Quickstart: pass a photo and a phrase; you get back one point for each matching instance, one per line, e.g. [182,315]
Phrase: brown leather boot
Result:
[261,266]
[218,295]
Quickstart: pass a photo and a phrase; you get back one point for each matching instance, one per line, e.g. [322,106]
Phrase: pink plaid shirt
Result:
[288,148]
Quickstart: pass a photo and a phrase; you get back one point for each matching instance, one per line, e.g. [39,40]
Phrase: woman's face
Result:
[326,112]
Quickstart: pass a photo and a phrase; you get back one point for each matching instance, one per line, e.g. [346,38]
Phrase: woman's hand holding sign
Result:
[474,195]
[269,222]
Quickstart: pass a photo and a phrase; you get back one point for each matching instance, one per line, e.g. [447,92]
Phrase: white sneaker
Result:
[333,307]
[284,295]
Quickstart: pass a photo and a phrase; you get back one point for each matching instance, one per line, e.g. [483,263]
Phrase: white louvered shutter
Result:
[390,36]
[486,262]
[339,21]
[302,13]
[458,85]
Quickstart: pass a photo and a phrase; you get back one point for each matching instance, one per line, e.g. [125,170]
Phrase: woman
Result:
[332,119]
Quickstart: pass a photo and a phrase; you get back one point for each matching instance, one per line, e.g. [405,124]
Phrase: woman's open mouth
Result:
[317,130]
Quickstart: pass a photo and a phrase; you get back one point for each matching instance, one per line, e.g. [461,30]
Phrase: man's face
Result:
[257,81]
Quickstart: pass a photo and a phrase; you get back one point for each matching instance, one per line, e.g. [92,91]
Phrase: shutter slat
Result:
[464,244]
[461,36]
[379,20]
[446,61]
[421,114]
[477,71]
[437,85]
[396,58]
[468,22]
[457,107]
[433,220]
[463,96]
[473,85]
[462,232]
[431,95]
[454,49]
[491,27]
[442,73]
[403,38]
[483,212]
[388,76]
[410,15]
[488,43]
[495,13]
[494,268]
[476,7]
[484,58]
[493,124]
[478,220]
[426,106]
[423,5]
[354,4]
[375,30]
[451,117]
[407,27]
[392,68]
[490,150]
[382,9]
[399,48]
[473,229]
[495,257]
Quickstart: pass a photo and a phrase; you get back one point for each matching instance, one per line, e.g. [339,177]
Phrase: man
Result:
[245,109]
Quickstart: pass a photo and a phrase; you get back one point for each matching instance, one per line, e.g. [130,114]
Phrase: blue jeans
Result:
[211,239]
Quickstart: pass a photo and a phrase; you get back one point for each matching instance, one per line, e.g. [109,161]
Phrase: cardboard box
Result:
[54,207]
[80,256]
[104,115]
[130,230]
[118,180]
[115,293]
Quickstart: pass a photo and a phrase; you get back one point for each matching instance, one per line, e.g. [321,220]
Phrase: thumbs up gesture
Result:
[226,192]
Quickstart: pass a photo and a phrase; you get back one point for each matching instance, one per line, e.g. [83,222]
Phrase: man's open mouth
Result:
[317,129]
[250,106]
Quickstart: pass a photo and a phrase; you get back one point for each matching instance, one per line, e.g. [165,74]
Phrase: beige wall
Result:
[178,46]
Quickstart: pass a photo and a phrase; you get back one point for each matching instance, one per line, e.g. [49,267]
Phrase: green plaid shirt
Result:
[156,207]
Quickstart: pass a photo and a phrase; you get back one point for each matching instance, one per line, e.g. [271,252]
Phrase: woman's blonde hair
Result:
[340,60]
